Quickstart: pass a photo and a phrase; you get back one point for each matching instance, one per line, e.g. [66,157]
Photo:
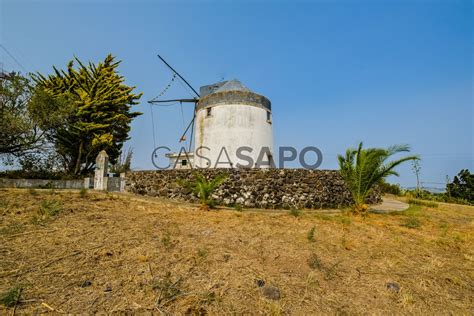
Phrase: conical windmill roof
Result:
[231,92]
[233,85]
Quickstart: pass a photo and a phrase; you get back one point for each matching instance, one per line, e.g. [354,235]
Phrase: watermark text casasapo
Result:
[309,157]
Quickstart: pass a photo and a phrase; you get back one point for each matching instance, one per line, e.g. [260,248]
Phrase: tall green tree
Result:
[18,132]
[363,168]
[97,116]
[462,186]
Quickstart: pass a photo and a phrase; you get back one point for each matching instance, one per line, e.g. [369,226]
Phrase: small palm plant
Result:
[363,168]
[204,188]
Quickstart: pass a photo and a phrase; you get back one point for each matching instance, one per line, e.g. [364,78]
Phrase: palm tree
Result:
[363,168]
[204,188]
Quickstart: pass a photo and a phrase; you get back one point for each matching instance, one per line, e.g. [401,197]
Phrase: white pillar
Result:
[87,182]
[101,169]
[122,182]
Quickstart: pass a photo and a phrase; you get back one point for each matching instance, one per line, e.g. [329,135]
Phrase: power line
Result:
[428,182]
[428,156]
[13,57]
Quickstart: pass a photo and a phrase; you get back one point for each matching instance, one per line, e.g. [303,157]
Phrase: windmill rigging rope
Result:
[153,126]
[165,89]
[171,103]
[182,117]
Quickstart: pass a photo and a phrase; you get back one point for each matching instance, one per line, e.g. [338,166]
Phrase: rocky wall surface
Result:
[259,188]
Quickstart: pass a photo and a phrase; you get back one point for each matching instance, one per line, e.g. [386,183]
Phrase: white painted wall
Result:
[177,164]
[232,126]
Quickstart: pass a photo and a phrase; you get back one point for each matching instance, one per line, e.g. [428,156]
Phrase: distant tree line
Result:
[460,190]
[61,121]
[462,186]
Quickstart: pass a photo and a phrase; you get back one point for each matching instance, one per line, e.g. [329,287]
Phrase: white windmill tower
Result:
[233,128]
[231,119]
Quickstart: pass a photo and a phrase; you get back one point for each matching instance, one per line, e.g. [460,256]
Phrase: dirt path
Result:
[389,205]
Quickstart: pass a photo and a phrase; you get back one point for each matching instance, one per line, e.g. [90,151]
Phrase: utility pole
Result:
[415,166]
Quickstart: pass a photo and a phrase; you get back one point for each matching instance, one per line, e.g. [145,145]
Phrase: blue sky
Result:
[337,72]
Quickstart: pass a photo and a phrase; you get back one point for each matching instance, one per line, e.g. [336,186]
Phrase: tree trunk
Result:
[79,156]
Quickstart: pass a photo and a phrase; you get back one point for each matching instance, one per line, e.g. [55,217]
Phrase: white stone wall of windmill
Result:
[231,116]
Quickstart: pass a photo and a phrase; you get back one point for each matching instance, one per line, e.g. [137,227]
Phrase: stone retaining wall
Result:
[40,183]
[261,188]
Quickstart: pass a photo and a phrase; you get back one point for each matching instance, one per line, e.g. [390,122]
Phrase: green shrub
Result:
[343,219]
[11,297]
[411,222]
[324,217]
[49,208]
[124,162]
[12,228]
[168,240]
[458,201]
[167,288]
[314,262]
[294,212]
[389,188]
[202,253]
[4,203]
[423,203]
[310,235]
[203,188]
[438,197]
[412,210]
[83,193]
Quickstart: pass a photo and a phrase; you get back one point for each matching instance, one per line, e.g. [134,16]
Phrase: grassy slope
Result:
[137,251]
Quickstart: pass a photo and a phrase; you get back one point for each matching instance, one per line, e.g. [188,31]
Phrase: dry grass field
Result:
[64,252]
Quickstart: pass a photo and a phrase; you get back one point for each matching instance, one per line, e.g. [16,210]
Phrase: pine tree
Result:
[99,113]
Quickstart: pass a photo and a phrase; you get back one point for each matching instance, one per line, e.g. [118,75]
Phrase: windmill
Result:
[229,118]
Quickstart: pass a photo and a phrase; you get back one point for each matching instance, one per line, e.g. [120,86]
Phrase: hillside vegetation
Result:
[76,252]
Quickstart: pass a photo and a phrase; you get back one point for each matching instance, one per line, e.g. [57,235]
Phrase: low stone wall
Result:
[261,188]
[115,184]
[40,183]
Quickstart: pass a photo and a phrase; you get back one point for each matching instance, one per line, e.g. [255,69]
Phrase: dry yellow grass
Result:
[114,253]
